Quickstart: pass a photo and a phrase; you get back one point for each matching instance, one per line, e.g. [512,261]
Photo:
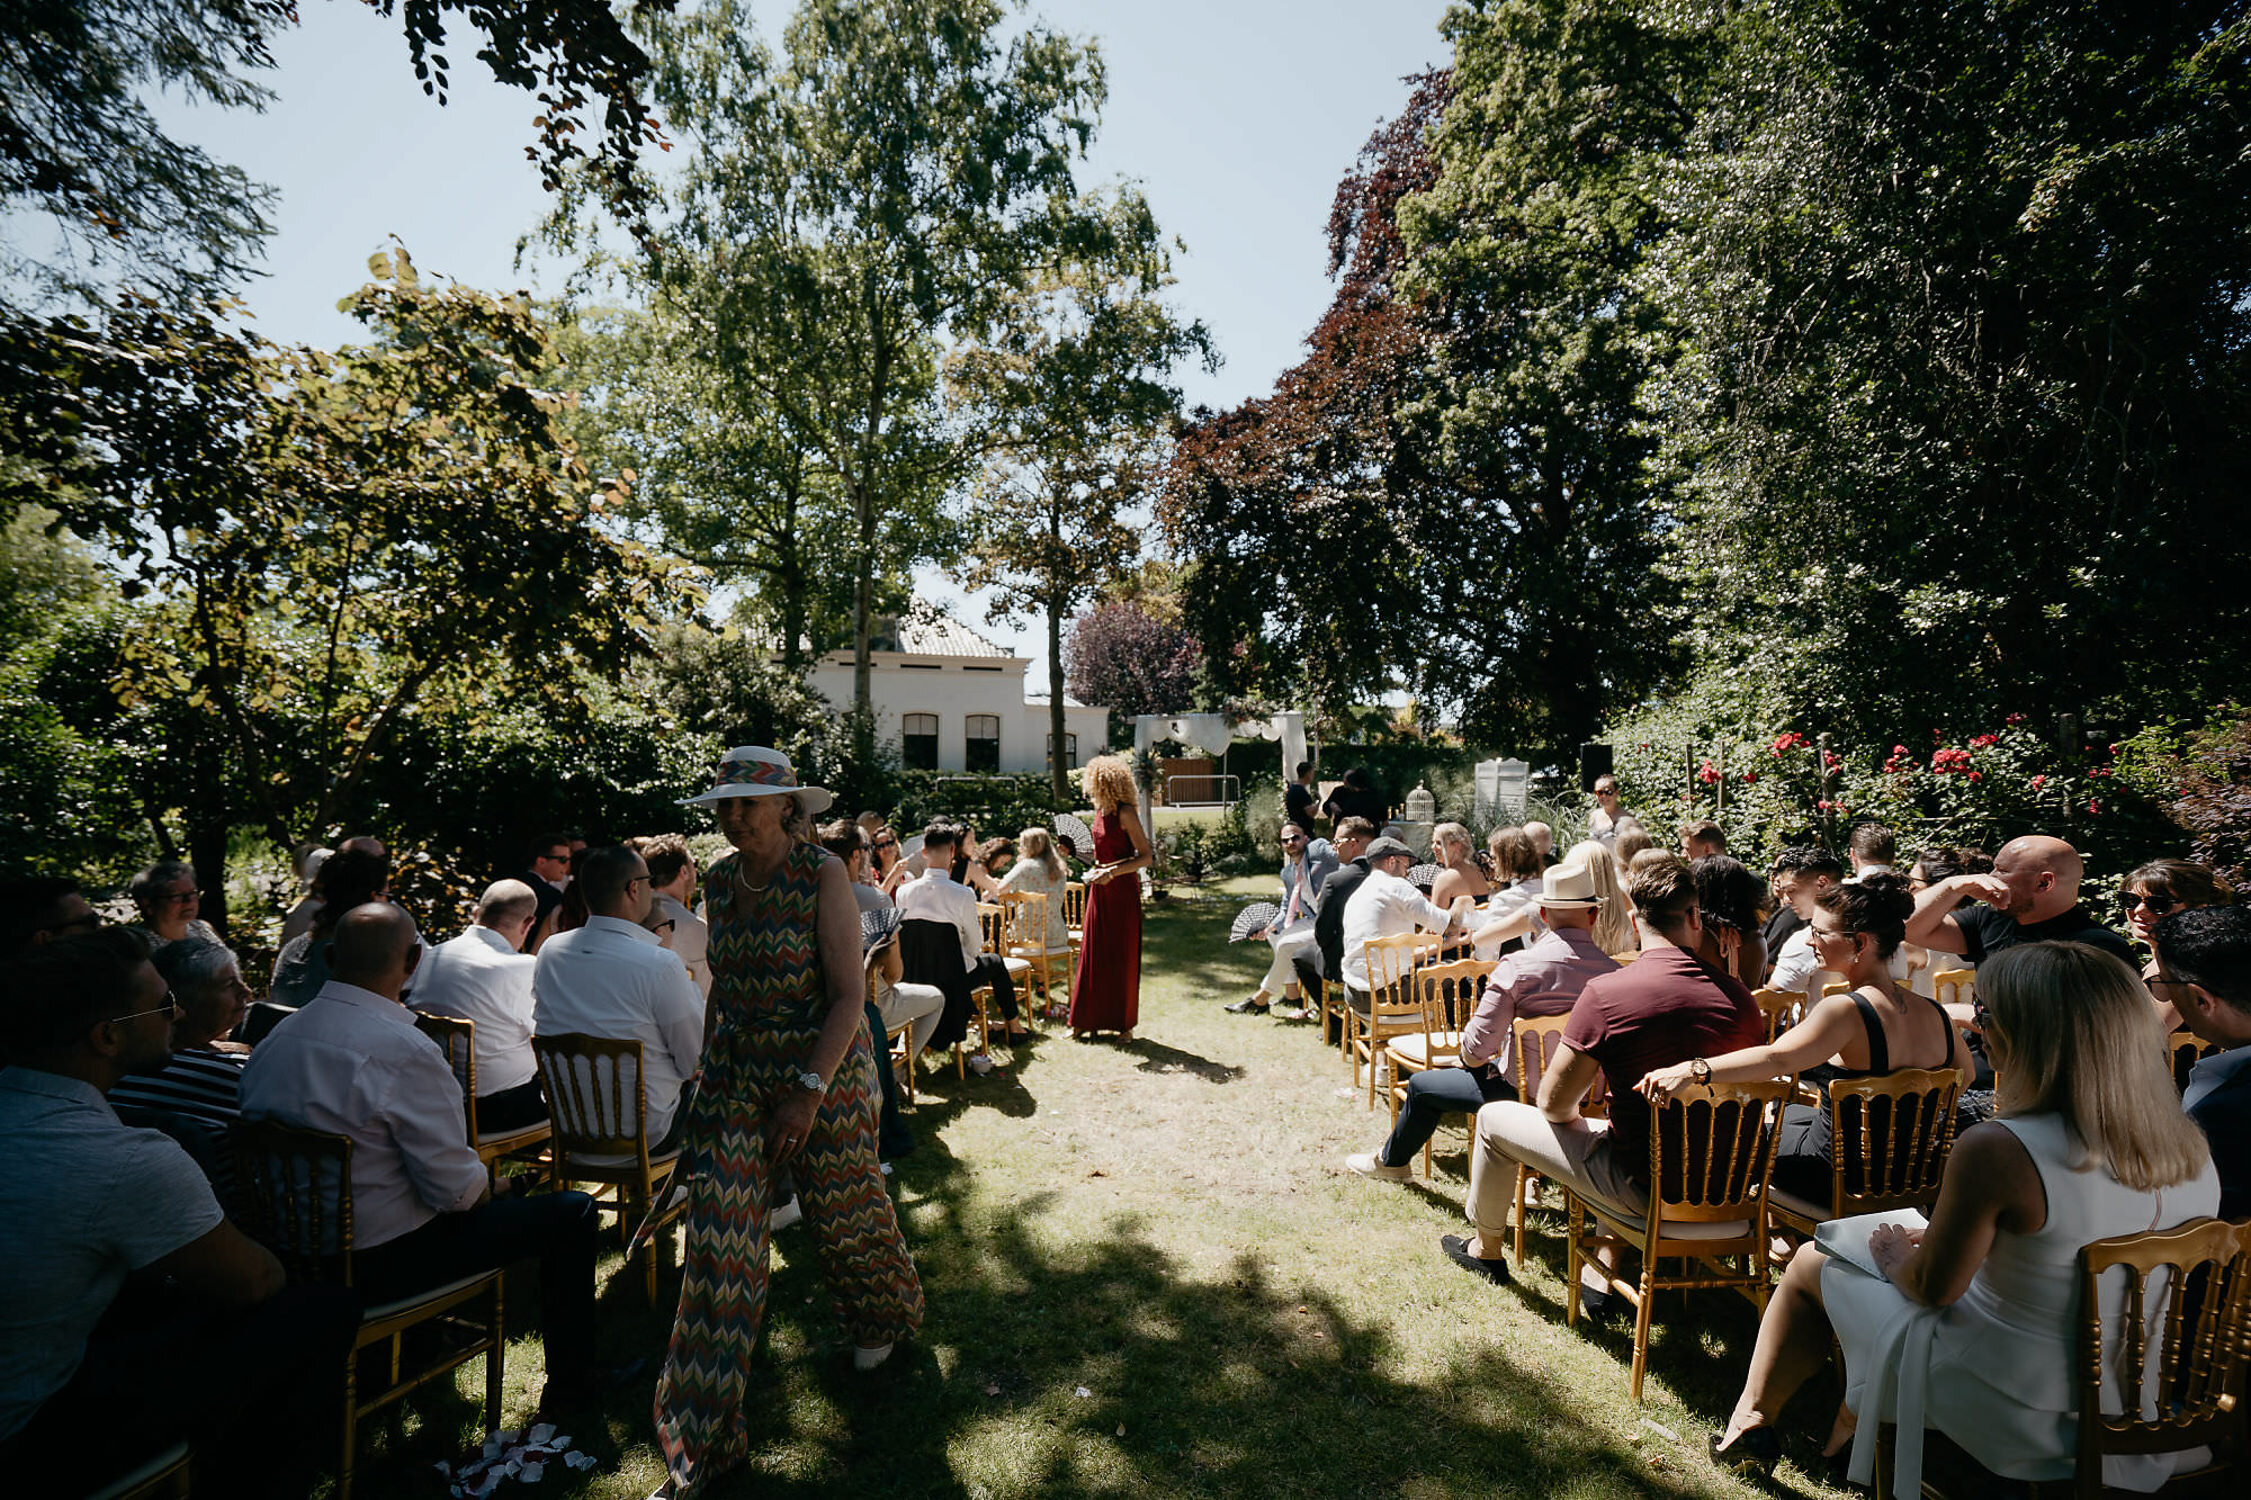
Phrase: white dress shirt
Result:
[478,977]
[611,979]
[690,938]
[351,1063]
[935,896]
[1384,906]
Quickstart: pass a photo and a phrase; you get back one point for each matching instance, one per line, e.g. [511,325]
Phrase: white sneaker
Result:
[864,1359]
[1367,1166]
[788,1214]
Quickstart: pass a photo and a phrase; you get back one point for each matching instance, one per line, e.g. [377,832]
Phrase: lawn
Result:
[1148,1274]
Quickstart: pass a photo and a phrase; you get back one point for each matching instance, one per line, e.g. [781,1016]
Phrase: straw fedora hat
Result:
[755,771]
[1568,886]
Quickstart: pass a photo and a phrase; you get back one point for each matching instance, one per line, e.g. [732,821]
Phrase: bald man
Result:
[2032,896]
[351,1063]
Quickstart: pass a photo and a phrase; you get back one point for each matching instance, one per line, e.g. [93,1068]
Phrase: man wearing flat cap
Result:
[1385,905]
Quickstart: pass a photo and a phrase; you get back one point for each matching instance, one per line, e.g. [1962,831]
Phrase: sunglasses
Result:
[887,844]
[2158,904]
[181,897]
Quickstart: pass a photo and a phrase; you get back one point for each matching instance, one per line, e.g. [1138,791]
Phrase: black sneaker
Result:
[1457,1250]
[1248,1008]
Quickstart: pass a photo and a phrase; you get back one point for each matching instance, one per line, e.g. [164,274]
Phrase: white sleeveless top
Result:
[1997,1371]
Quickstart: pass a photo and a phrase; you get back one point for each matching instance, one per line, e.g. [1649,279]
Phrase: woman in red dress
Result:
[1106,995]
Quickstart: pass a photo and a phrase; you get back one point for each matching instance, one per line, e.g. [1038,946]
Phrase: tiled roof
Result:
[924,631]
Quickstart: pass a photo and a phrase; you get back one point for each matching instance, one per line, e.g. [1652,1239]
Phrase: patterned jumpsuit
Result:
[768,1000]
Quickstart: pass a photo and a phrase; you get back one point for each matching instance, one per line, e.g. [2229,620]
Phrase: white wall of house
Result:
[953,689]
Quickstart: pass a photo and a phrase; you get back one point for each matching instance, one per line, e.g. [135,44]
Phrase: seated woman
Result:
[1040,871]
[1973,1326]
[1872,1031]
[2150,892]
[349,878]
[196,1095]
[1458,874]
[1730,895]
[1512,913]
[1631,839]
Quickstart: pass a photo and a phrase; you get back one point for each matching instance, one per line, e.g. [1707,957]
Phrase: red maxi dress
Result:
[1106,995]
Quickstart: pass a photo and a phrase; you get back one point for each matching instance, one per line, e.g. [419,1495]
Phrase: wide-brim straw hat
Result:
[755,771]
[1568,886]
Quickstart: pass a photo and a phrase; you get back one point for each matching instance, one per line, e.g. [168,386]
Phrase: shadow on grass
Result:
[1156,1057]
[1110,1368]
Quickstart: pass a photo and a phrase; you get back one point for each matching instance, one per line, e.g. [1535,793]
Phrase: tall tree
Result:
[1072,390]
[81,154]
[1963,381]
[726,484]
[891,185]
[323,540]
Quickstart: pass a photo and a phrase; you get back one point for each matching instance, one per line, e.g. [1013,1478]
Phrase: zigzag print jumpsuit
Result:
[768,997]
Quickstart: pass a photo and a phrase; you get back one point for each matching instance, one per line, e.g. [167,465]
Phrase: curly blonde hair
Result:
[1109,782]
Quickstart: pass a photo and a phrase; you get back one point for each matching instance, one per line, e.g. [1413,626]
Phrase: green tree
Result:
[894,183]
[321,540]
[1961,389]
[1072,389]
[80,151]
[726,485]
[1520,253]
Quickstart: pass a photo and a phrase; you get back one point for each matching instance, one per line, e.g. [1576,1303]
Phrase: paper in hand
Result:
[1847,1239]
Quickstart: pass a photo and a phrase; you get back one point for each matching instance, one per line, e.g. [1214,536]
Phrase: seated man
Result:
[484,976]
[547,870]
[1701,838]
[1542,980]
[1385,905]
[2031,896]
[1353,835]
[611,979]
[672,875]
[351,1063]
[1306,863]
[1801,876]
[935,896]
[2207,951]
[39,909]
[206,1343]
[1663,1008]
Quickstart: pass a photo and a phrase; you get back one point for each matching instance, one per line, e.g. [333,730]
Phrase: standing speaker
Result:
[1594,761]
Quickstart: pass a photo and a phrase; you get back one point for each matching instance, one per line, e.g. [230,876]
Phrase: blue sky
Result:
[1236,117]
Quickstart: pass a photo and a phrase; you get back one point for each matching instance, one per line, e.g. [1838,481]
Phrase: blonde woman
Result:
[1450,847]
[1106,994]
[1039,871]
[1972,1326]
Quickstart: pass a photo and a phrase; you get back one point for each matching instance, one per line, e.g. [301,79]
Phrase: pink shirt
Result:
[1540,980]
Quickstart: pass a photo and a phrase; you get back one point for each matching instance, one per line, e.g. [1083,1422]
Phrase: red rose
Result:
[1977,776]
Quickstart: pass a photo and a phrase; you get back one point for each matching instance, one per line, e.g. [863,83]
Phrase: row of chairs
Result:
[1715,1210]
[294,1195]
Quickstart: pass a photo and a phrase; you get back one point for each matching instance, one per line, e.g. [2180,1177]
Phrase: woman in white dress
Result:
[1973,1326]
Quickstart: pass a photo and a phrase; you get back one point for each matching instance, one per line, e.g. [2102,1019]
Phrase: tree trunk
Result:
[207,851]
[1058,783]
[863,604]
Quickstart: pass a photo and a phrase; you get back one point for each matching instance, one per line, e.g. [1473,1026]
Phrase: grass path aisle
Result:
[1148,1274]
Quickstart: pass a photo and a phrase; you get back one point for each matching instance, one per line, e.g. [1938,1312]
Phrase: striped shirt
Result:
[202,1086]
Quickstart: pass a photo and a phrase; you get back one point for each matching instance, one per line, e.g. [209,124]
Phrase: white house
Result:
[953,701]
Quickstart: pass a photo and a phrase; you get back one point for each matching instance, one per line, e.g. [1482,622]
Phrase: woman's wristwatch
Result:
[1700,1070]
[812,1083]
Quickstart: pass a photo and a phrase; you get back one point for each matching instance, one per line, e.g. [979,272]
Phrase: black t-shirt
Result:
[1297,805]
[1986,931]
[1352,802]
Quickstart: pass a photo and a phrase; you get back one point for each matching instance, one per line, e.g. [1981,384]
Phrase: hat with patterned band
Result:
[755,771]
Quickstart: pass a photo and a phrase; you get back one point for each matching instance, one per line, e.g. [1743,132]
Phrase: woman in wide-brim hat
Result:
[788,1081]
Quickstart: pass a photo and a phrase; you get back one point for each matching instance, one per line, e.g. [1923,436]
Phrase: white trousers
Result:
[918,1007]
[1282,973]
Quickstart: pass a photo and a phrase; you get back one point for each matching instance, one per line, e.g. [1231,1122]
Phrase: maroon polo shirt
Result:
[1665,1007]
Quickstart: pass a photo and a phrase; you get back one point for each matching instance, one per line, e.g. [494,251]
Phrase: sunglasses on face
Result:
[2158,905]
